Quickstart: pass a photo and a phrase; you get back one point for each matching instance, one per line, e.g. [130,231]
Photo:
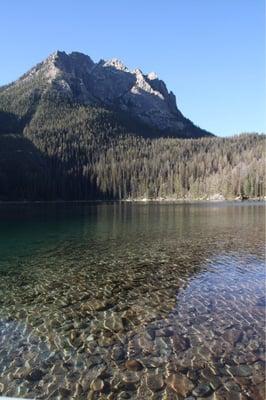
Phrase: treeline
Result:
[176,168]
[76,153]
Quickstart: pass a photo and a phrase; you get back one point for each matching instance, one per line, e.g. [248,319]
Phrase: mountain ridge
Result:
[76,78]
[72,129]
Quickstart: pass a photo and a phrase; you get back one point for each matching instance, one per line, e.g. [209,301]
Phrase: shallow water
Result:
[132,301]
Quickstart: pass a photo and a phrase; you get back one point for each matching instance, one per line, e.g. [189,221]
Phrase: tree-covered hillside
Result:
[77,152]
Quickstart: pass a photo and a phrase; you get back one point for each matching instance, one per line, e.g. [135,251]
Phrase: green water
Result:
[177,289]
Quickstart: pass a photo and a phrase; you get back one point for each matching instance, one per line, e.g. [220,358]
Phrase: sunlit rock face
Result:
[112,84]
[108,84]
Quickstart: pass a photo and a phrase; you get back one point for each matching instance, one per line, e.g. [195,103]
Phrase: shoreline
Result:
[137,200]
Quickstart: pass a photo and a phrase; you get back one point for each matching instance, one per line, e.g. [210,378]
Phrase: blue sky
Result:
[211,53]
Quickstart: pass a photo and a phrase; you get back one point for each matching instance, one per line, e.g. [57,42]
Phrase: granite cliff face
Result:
[109,84]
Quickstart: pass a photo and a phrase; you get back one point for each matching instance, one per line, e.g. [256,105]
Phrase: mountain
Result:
[136,99]
[72,129]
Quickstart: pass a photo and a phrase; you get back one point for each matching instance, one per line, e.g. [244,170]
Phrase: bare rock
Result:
[75,76]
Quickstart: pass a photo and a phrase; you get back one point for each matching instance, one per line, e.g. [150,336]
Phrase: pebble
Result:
[124,396]
[202,390]
[215,382]
[35,375]
[232,336]
[106,341]
[97,385]
[258,392]
[154,362]
[118,353]
[114,323]
[167,332]
[64,393]
[78,390]
[223,394]
[133,365]
[97,305]
[180,384]
[155,382]
[180,343]
[261,302]
[241,370]
[232,386]
[130,377]
[129,381]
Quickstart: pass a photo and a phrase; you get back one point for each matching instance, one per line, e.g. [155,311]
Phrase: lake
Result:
[132,301]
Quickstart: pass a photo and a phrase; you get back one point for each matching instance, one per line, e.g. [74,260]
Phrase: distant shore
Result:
[166,200]
[189,200]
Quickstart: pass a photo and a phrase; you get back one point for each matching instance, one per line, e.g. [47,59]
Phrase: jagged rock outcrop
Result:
[108,84]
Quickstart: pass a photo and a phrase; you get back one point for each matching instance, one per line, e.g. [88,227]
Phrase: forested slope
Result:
[82,153]
[73,129]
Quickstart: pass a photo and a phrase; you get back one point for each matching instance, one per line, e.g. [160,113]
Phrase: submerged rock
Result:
[232,336]
[180,343]
[261,302]
[155,382]
[64,393]
[133,365]
[118,353]
[241,370]
[35,375]
[97,385]
[180,384]
[114,323]
[202,390]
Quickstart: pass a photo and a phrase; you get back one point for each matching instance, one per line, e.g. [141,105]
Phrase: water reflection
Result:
[132,301]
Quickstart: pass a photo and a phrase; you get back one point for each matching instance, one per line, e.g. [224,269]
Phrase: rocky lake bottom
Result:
[132,301]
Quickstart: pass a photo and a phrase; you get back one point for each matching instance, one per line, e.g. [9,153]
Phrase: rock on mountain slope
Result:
[75,78]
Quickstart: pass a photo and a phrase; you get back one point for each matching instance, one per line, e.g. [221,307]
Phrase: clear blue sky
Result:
[211,53]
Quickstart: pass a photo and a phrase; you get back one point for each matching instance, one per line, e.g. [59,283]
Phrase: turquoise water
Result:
[137,301]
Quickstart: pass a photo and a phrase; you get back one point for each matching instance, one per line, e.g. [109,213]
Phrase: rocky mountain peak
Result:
[152,75]
[108,84]
[117,64]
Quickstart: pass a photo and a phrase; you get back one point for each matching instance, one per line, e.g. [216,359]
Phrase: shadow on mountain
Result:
[26,173]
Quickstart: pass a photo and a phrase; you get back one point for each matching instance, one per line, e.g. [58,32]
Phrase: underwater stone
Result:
[114,324]
[232,386]
[261,302]
[118,353]
[97,385]
[241,370]
[64,393]
[232,335]
[180,384]
[258,392]
[155,382]
[35,375]
[180,343]
[133,365]
[202,390]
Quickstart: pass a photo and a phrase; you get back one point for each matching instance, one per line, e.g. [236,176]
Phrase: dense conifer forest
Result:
[86,153]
